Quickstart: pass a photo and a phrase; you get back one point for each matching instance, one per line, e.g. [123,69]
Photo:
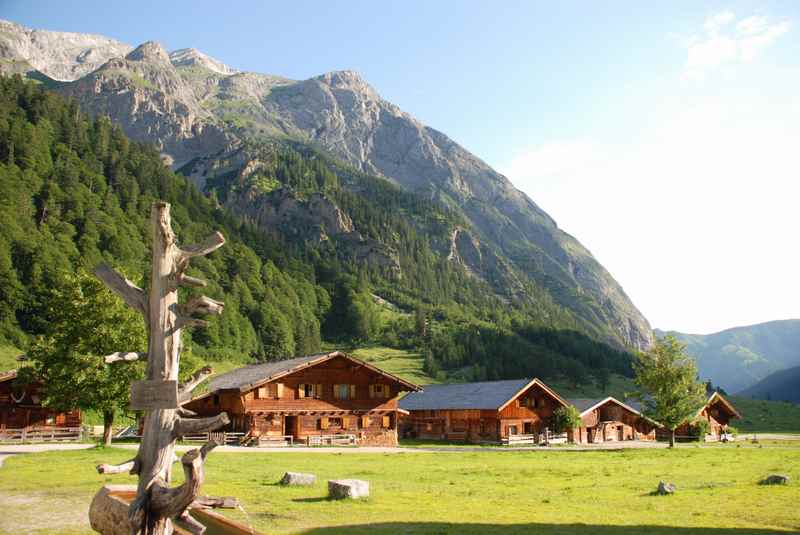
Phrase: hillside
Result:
[312,260]
[761,416]
[783,385]
[220,126]
[737,358]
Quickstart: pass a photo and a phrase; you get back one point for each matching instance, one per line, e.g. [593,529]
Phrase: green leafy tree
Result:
[566,419]
[668,387]
[86,322]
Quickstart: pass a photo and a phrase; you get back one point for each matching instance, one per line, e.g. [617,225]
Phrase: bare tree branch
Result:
[128,291]
[201,305]
[186,280]
[209,245]
[188,426]
[124,357]
[172,502]
[127,466]
[185,390]
[185,321]
[192,526]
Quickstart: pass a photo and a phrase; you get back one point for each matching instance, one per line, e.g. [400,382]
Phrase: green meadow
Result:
[554,492]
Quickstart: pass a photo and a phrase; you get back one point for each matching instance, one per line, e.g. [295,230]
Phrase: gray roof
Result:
[584,403]
[489,395]
[243,378]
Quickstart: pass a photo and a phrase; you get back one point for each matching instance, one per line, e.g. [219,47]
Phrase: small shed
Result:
[611,420]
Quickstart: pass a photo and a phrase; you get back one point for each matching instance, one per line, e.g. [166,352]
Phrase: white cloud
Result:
[726,43]
[696,218]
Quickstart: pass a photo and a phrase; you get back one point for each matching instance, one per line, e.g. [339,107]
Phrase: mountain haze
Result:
[213,123]
[737,358]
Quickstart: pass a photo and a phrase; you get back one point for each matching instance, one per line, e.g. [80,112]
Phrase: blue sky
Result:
[662,136]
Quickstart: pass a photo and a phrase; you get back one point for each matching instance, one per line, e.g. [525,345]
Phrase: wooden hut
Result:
[318,399]
[717,411]
[518,410]
[611,420]
[22,416]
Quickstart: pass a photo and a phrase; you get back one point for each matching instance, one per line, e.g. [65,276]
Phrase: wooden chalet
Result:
[325,398]
[22,415]
[494,411]
[717,411]
[611,420]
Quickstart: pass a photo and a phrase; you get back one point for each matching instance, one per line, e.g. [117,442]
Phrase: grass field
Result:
[561,492]
[762,416]
[8,358]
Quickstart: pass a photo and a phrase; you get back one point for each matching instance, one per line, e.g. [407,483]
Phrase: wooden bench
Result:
[331,440]
[274,441]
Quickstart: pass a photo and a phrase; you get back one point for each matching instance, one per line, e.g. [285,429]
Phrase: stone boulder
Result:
[775,479]
[665,488]
[298,479]
[348,488]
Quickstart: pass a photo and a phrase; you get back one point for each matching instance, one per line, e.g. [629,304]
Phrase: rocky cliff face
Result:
[196,108]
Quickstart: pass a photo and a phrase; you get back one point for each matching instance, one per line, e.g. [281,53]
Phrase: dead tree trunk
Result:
[156,504]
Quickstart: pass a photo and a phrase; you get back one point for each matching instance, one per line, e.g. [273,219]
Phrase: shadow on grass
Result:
[533,528]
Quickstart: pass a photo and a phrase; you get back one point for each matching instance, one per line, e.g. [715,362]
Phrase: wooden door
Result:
[290,425]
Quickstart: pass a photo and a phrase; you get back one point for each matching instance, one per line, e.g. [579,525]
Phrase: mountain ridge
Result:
[194,112]
[739,357]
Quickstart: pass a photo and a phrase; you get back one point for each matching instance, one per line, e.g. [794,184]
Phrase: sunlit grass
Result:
[463,492]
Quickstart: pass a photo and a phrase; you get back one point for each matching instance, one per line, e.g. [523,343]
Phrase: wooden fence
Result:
[41,434]
[223,437]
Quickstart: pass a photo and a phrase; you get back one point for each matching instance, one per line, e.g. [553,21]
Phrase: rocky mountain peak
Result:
[191,57]
[348,80]
[63,56]
[149,51]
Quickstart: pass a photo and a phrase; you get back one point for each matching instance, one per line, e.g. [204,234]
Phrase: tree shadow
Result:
[441,528]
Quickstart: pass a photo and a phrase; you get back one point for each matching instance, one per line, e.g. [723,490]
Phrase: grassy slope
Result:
[766,416]
[8,358]
[470,492]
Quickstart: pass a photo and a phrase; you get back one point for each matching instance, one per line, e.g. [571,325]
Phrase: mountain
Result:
[783,385]
[737,358]
[217,125]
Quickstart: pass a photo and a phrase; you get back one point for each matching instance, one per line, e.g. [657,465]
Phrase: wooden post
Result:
[157,504]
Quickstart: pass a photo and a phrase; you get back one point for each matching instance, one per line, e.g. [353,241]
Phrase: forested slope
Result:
[316,249]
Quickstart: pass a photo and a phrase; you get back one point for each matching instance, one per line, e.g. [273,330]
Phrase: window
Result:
[379,391]
[364,422]
[512,429]
[335,422]
[344,391]
[323,422]
[386,422]
[49,419]
[216,400]
[307,390]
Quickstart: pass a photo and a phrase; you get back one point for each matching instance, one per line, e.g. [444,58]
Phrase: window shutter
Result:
[365,422]
[318,391]
[301,390]
[345,422]
[385,421]
[335,391]
[386,391]
[352,391]
[323,422]
[371,391]
[279,390]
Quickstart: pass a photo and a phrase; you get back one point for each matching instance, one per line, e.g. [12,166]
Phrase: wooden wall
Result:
[28,412]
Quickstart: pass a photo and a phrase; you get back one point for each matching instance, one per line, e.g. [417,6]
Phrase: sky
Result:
[664,137]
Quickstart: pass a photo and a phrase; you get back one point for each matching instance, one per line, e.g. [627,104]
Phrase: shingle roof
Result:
[488,395]
[243,378]
[248,377]
[583,404]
